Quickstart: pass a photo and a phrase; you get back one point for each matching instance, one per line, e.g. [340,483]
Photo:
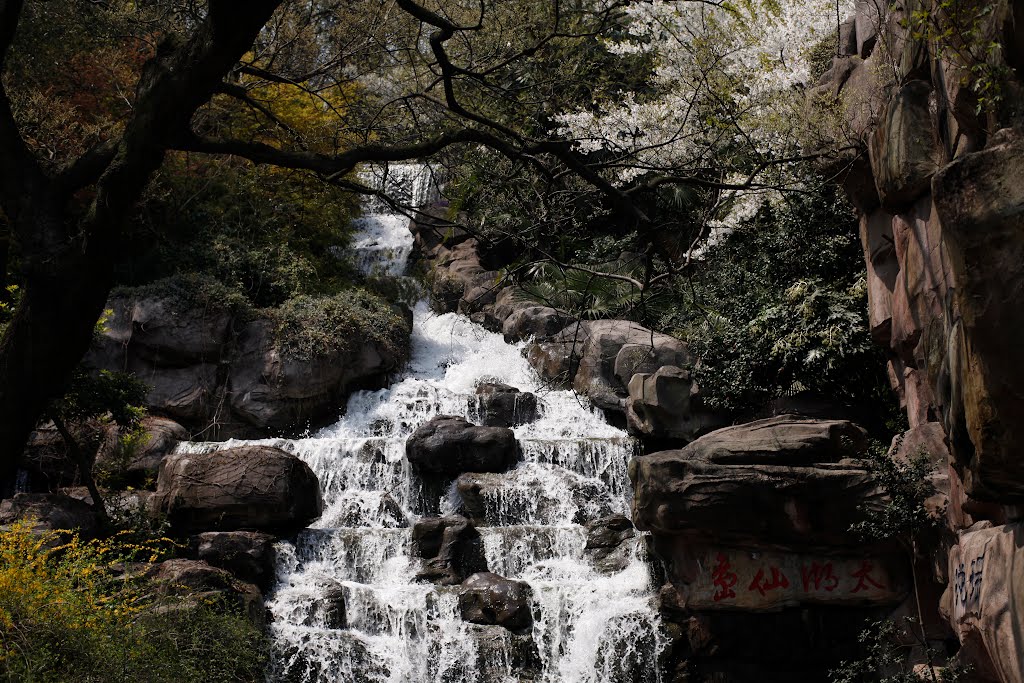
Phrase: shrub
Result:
[66,617]
[308,326]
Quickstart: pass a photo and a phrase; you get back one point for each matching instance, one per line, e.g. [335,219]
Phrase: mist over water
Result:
[588,627]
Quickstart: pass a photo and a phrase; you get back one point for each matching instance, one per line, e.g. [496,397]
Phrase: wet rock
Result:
[198,581]
[487,598]
[249,487]
[609,543]
[666,404]
[49,512]
[448,445]
[784,479]
[532,495]
[450,547]
[332,607]
[499,405]
[272,390]
[502,653]
[248,555]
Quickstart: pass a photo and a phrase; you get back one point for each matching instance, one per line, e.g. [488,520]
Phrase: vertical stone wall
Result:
[939,185]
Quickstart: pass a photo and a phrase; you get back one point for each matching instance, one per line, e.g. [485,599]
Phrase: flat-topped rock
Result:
[783,480]
[449,445]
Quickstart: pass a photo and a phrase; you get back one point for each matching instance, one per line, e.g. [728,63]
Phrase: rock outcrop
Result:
[448,445]
[666,405]
[225,375]
[49,512]
[197,582]
[248,555]
[246,488]
[942,225]
[598,358]
[755,519]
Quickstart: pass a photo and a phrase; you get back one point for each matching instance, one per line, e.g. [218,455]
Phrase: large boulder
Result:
[450,547]
[487,598]
[784,479]
[534,321]
[249,487]
[666,404]
[249,555]
[499,405]
[169,332]
[448,445]
[196,582]
[49,512]
[273,390]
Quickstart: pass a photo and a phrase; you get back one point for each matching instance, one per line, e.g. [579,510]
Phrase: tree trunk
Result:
[44,342]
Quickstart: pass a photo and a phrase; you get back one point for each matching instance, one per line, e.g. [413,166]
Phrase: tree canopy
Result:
[650,124]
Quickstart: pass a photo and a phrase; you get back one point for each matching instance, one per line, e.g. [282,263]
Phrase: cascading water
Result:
[589,627]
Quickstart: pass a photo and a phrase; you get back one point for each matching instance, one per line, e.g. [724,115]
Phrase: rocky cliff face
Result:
[939,183]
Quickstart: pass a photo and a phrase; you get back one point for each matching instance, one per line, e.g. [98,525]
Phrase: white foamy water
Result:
[383,243]
[588,627]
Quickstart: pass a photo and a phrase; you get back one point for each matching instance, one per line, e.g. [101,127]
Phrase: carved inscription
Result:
[751,580]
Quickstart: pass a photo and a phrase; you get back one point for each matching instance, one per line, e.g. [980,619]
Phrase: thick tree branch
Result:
[333,166]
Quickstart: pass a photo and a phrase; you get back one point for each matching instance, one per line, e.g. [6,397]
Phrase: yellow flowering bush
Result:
[74,610]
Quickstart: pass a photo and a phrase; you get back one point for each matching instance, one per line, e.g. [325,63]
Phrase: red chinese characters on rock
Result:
[815,577]
[819,577]
[723,579]
[863,576]
[762,585]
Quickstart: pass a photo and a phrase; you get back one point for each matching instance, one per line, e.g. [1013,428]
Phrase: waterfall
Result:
[588,627]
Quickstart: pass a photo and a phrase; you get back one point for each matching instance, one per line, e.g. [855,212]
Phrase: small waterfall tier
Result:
[347,607]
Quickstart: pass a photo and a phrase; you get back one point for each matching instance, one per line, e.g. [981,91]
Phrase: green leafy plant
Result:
[906,518]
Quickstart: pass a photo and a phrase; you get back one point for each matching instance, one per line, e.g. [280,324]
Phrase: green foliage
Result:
[821,54]
[885,657]
[309,326]
[780,306]
[907,484]
[965,35]
[264,234]
[582,292]
[117,395]
[66,617]
[191,291]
